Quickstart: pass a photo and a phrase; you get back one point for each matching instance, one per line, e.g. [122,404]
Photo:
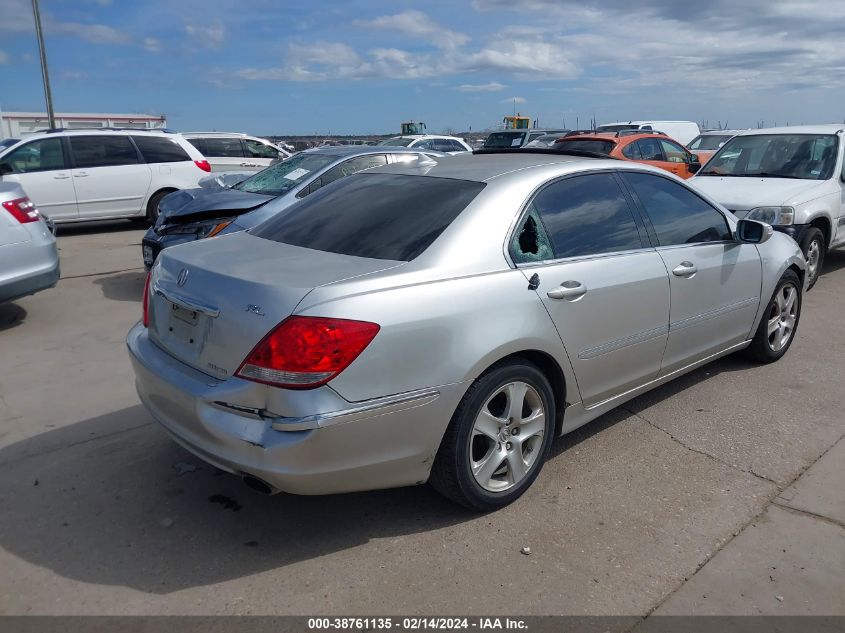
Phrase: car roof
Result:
[352,150]
[423,136]
[94,130]
[484,166]
[828,128]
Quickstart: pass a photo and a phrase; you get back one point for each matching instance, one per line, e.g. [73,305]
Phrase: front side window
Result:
[260,150]
[284,176]
[677,214]
[380,216]
[102,151]
[43,155]
[585,215]
[674,152]
[798,156]
[155,149]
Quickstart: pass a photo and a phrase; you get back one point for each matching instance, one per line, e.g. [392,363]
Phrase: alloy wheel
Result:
[814,251]
[507,436]
[782,316]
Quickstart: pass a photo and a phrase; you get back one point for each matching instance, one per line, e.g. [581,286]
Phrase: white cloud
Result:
[208,35]
[94,33]
[418,24]
[152,44]
[516,100]
[493,86]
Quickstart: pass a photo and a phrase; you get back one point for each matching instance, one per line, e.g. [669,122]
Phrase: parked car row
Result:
[376,333]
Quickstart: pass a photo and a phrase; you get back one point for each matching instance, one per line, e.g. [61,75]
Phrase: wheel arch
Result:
[152,196]
[823,223]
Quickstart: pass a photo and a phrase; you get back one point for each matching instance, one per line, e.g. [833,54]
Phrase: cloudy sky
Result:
[278,66]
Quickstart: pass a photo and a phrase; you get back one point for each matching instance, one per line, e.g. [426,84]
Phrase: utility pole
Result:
[48,95]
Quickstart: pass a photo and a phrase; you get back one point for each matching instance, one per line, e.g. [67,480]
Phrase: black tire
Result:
[762,349]
[451,474]
[814,242]
[152,205]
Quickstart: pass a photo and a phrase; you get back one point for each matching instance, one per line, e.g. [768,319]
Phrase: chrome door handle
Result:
[80,175]
[685,269]
[569,290]
[60,177]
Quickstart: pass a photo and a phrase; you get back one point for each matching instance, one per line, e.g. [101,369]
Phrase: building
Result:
[17,124]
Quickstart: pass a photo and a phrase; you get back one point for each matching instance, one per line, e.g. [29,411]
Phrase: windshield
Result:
[382,216]
[505,139]
[598,146]
[617,128]
[800,156]
[397,142]
[709,141]
[284,176]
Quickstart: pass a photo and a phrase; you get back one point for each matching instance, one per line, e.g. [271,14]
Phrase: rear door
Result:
[677,158]
[223,153]
[604,286]
[652,153]
[110,178]
[41,168]
[715,281]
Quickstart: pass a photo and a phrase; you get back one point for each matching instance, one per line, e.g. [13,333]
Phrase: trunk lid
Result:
[212,301]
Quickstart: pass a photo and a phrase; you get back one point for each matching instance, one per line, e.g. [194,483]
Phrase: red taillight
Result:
[305,352]
[146,301]
[22,210]
[203,164]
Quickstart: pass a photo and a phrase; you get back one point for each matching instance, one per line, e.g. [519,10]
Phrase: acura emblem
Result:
[182,278]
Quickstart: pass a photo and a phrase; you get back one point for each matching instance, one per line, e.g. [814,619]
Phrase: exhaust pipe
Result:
[258,485]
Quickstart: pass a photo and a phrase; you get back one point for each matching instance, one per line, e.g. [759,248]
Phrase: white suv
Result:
[77,175]
[789,177]
[235,152]
[445,144]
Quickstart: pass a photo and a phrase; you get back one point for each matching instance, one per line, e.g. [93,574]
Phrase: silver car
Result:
[444,322]
[29,261]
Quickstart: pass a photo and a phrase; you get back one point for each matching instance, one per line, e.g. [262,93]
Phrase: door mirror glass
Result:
[753,232]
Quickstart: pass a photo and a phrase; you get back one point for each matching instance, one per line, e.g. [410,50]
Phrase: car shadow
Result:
[99,226]
[11,315]
[833,262]
[134,509]
[128,286]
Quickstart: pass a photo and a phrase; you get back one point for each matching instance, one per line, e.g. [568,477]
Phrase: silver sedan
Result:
[444,322]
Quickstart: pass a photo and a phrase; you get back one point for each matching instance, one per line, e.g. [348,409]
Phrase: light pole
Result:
[43,54]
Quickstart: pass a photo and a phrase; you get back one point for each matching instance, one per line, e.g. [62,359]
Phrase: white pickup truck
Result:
[790,177]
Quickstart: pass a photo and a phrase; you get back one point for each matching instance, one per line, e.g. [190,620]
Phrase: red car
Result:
[653,148]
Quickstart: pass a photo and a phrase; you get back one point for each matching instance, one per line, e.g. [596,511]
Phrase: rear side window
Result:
[381,216]
[584,215]
[260,150]
[102,151]
[223,147]
[677,214]
[632,151]
[43,155]
[156,149]
[651,149]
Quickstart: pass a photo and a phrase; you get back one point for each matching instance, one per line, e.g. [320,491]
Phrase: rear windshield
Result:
[587,145]
[380,216]
[619,128]
[284,176]
[505,139]
[707,142]
[397,142]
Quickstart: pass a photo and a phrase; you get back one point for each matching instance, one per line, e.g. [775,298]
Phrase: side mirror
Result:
[753,232]
[6,168]
[694,167]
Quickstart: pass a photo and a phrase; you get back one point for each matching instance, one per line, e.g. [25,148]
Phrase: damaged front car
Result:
[195,214]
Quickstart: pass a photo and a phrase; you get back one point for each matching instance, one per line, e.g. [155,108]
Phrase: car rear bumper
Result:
[337,447]
[42,274]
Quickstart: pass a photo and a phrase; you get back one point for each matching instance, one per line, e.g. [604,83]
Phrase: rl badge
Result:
[182,278]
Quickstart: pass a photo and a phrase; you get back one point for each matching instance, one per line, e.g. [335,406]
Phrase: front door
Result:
[109,176]
[604,286]
[40,168]
[715,281]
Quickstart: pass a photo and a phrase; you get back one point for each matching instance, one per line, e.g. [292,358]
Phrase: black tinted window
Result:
[155,149]
[651,149]
[587,215]
[383,216]
[102,151]
[587,145]
[677,214]
[632,151]
[222,147]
